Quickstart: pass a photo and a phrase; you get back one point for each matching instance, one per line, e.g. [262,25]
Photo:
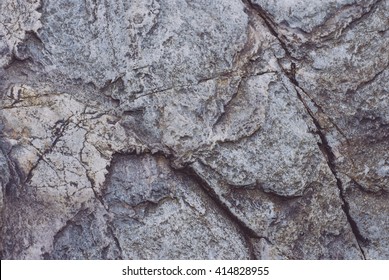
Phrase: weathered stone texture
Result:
[179,129]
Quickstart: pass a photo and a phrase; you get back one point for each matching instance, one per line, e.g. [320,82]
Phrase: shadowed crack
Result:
[363,16]
[324,146]
[244,229]
[268,21]
[326,149]
[243,78]
[247,232]
[272,26]
[142,93]
[366,190]
[14,178]
[225,106]
[371,80]
[116,240]
[59,132]
[98,197]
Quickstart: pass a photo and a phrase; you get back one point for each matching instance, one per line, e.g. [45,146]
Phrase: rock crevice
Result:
[250,129]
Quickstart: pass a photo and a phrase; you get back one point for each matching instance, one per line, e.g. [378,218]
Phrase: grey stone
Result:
[166,213]
[194,129]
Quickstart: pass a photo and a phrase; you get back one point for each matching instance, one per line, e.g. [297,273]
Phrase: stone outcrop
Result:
[174,129]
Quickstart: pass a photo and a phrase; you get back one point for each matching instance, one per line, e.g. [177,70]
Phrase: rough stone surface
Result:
[194,129]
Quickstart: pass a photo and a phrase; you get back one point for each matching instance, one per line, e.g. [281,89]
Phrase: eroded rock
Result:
[193,129]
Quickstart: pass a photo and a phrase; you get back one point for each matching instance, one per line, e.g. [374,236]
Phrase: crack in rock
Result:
[330,158]
[193,129]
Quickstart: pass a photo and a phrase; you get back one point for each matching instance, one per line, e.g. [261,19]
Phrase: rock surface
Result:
[194,129]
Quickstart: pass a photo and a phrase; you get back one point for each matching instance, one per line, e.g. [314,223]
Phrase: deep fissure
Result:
[324,146]
[269,23]
[246,231]
[330,158]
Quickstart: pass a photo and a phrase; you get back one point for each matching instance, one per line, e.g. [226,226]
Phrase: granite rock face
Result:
[177,129]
